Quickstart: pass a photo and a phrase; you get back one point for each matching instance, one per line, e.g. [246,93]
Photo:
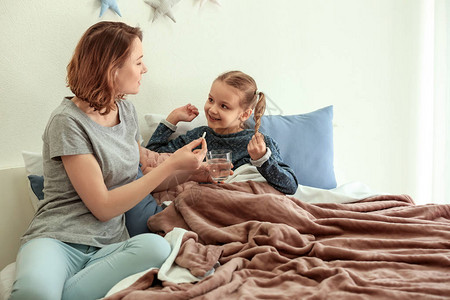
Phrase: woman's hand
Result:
[185,113]
[186,158]
[257,147]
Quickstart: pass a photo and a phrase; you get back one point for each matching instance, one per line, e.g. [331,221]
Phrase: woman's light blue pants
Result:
[50,269]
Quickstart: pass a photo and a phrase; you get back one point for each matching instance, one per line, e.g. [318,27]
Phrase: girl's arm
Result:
[86,177]
[159,141]
[185,113]
[278,174]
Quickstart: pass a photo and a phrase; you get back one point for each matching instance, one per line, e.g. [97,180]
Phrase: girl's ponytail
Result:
[259,109]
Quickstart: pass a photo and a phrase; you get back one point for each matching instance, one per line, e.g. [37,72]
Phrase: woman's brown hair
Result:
[102,49]
[252,98]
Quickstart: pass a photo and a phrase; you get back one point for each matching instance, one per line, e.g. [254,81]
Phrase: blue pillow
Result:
[306,144]
[37,185]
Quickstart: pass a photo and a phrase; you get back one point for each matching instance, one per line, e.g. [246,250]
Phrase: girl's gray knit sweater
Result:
[278,174]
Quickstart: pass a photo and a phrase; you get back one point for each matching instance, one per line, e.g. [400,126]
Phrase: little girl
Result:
[231,101]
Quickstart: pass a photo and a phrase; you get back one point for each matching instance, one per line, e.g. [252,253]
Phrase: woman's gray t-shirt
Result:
[62,214]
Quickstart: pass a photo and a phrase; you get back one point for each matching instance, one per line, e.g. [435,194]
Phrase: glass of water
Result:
[219,164]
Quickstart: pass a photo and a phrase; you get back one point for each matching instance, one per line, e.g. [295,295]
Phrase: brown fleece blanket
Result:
[277,247]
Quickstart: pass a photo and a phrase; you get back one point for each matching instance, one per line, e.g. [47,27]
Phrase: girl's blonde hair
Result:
[102,49]
[252,98]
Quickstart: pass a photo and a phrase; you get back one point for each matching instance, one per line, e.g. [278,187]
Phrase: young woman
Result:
[77,245]
[232,99]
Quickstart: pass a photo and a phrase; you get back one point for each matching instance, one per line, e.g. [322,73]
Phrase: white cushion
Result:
[7,277]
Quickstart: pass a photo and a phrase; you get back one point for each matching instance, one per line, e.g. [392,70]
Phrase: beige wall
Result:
[359,55]
[15,213]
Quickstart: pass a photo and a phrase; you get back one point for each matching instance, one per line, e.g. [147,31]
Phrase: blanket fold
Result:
[189,261]
[197,258]
[279,247]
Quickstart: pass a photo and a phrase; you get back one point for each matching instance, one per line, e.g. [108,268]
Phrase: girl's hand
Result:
[186,158]
[257,147]
[185,113]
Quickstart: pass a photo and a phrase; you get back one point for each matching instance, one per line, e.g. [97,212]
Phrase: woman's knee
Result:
[31,291]
[155,248]
[41,270]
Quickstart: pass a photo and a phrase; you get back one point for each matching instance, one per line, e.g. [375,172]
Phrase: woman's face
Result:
[223,110]
[128,77]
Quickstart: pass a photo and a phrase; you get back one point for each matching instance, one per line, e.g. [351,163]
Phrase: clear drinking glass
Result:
[219,164]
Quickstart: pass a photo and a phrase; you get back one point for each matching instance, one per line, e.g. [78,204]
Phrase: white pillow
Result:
[153,121]
[33,166]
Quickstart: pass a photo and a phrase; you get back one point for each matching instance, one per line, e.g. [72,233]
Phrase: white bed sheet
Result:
[6,280]
[346,193]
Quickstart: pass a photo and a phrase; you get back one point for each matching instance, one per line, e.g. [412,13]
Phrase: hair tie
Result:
[257,94]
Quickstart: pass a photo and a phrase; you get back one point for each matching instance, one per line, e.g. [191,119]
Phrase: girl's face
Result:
[128,77]
[223,110]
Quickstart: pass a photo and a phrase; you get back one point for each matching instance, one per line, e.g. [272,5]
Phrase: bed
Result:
[245,240]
